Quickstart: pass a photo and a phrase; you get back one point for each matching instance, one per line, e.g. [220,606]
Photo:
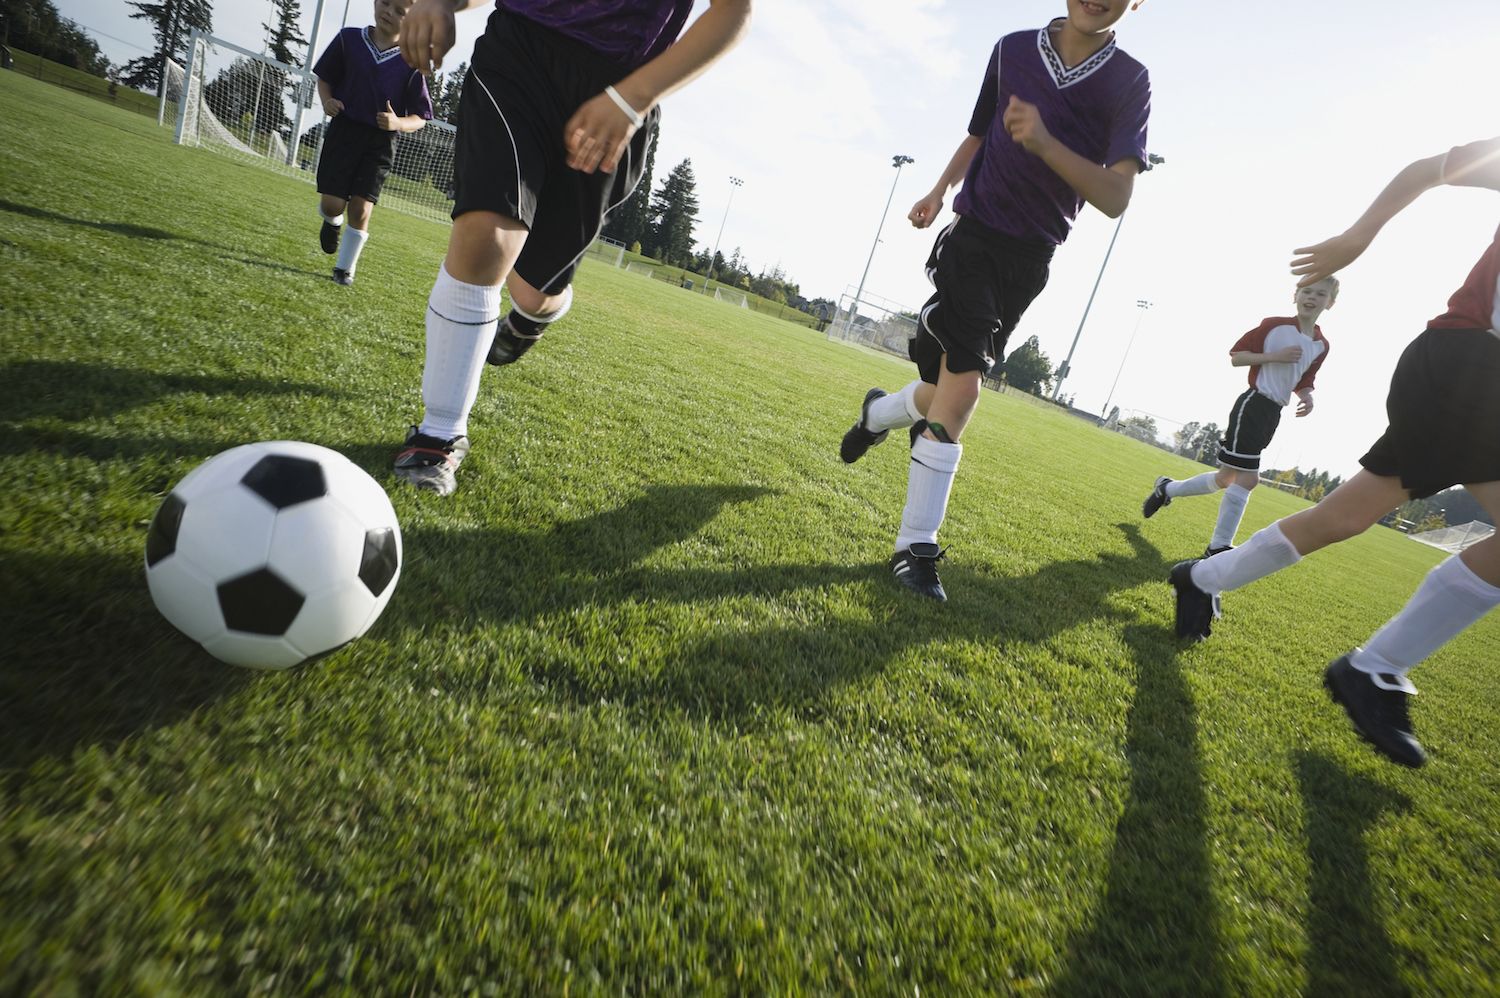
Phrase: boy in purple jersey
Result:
[1061,119]
[370,95]
[556,112]
[1444,412]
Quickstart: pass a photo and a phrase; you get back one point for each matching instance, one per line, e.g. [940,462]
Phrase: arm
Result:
[1107,188]
[1249,358]
[596,136]
[332,106]
[427,33]
[927,209]
[389,121]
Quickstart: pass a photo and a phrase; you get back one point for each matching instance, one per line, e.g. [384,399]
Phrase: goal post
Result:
[639,268]
[731,296]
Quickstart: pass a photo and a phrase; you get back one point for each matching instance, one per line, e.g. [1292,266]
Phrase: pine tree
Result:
[286,32]
[270,109]
[172,22]
[630,222]
[674,210]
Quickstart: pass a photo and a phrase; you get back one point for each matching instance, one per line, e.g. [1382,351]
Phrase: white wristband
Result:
[636,118]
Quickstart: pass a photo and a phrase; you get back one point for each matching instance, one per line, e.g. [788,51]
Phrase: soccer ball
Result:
[273,553]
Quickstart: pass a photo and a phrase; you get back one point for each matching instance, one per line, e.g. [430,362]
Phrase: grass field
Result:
[646,714]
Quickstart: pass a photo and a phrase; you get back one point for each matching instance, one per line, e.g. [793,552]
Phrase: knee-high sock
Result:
[1198,485]
[350,246]
[1265,552]
[460,325]
[335,220]
[927,487]
[1231,512]
[895,410]
[1450,599]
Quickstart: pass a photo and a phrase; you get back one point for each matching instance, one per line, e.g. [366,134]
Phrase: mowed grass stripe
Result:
[645,713]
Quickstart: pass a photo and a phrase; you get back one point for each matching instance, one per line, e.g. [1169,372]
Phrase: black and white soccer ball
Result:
[273,553]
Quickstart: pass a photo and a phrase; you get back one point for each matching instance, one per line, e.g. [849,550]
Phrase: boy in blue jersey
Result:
[370,94]
[558,106]
[1061,119]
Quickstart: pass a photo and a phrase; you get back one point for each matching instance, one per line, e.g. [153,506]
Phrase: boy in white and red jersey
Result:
[1284,355]
[1444,411]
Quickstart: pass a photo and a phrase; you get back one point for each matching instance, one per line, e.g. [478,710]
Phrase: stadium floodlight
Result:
[898,162]
[1152,160]
[734,182]
[1142,305]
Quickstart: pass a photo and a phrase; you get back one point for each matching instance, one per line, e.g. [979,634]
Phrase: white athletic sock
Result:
[1265,552]
[461,322]
[1198,485]
[1231,512]
[336,220]
[1450,599]
[927,487]
[898,409]
[350,247]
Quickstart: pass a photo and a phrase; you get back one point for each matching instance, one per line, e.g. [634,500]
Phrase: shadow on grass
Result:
[1349,951]
[73,391]
[1155,930]
[89,660]
[118,228]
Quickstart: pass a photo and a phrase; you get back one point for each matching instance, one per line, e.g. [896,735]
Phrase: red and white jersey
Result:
[1277,382]
[1476,305]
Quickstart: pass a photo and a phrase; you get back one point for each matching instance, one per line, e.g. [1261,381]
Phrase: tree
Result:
[270,109]
[674,211]
[447,90]
[171,22]
[286,33]
[630,222]
[1205,445]
[36,27]
[1141,427]
[1028,369]
[1186,438]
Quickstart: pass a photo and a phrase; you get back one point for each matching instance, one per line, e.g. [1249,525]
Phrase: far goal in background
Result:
[731,296]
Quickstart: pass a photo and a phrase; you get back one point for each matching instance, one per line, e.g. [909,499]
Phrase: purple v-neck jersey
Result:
[1098,109]
[630,32]
[365,77]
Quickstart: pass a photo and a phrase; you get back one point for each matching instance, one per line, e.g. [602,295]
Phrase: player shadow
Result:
[85,444]
[1349,951]
[127,229]
[89,662]
[74,391]
[1157,915]
[284,268]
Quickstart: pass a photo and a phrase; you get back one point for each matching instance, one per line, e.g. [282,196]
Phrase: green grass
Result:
[646,714]
[88,84]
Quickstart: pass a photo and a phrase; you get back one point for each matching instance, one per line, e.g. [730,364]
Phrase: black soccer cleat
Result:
[343,277]
[916,569]
[429,463]
[328,237]
[1158,497]
[1195,608]
[858,439]
[1378,714]
[509,345]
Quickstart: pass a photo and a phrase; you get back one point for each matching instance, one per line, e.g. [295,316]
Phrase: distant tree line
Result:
[172,23]
[35,26]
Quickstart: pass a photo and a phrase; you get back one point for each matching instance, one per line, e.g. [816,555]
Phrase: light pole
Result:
[303,97]
[898,162]
[1143,305]
[734,182]
[1067,365]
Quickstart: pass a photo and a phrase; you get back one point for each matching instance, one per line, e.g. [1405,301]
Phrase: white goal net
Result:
[607,251]
[731,296]
[248,106]
[639,268]
[875,322]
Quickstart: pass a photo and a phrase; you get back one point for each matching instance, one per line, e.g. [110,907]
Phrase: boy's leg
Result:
[1350,509]
[1232,510]
[882,412]
[531,312]
[356,233]
[1166,489]
[331,208]
[461,315]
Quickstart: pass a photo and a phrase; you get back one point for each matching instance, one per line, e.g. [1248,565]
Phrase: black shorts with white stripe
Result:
[985,280]
[355,160]
[1444,413]
[1252,424]
[524,84]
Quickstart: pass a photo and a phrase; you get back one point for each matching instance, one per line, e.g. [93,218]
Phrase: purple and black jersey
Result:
[1098,109]
[365,78]
[628,32]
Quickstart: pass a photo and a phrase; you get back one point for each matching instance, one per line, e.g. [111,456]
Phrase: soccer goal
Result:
[731,296]
[607,251]
[249,107]
[639,268]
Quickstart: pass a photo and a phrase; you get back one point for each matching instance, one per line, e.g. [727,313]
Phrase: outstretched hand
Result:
[1327,258]
[596,136]
[427,34]
[924,211]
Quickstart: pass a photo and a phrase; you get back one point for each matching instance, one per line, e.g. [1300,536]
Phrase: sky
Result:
[1279,122]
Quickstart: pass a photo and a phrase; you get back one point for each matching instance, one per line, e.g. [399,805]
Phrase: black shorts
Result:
[1444,412]
[985,280]
[1252,424]
[356,159]
[524,84]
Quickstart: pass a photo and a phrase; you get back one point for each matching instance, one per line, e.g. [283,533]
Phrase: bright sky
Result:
[1279,121]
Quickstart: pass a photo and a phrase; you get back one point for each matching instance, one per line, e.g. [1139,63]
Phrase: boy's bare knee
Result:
[531,300]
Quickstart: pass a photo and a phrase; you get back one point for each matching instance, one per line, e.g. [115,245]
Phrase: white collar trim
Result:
[1062,76]
[394,52]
